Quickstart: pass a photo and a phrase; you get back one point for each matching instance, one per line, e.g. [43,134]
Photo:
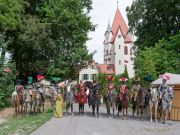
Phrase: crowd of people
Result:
[65,95]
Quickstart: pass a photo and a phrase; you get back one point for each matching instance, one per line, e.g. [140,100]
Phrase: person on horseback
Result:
[96,96]
[41,91]
[81,97]
[110,95]
[123,88]
[166,96]
[134,95]
[135,89]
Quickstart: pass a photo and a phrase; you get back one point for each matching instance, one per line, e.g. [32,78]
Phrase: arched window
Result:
[125,50]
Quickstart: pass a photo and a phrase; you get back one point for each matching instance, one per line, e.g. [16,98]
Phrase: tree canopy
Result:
[156,25]
[47,36]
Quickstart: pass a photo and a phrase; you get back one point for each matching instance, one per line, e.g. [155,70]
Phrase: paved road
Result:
[88,125]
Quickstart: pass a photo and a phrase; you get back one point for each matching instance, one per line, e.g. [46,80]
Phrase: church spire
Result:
[108,26]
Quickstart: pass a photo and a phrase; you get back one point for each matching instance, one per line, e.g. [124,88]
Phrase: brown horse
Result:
[124,99]
[138,102]
[17,99]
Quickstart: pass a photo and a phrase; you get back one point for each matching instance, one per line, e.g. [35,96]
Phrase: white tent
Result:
[174,79]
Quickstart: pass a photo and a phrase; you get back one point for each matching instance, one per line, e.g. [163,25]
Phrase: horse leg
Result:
[67,106]
[72,109]
[169,115]
[79,109]
[93,108]
[83,109]
[123,112]
[113,110]
[97,110]
[150,108]
[126,112]
[155,113]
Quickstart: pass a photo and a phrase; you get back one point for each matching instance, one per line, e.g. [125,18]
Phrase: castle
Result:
[118,48]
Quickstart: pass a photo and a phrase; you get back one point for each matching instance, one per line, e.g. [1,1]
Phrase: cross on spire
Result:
[117,3]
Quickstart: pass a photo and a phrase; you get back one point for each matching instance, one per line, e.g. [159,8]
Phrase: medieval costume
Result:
[81,97]
[135,89]
[58,112]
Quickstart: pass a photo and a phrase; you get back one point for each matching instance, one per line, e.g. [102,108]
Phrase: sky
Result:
[103,10]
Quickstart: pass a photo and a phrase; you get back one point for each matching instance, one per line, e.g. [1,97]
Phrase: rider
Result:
[135,89]
[19,89]
[40,90]
[163,87]
[122,89]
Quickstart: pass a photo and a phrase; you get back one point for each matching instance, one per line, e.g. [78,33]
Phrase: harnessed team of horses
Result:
[158,99]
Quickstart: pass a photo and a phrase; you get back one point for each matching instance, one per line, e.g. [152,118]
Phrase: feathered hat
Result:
[165,77]
[123,79]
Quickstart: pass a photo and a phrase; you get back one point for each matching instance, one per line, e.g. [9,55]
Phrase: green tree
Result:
[152,20]
[157,60]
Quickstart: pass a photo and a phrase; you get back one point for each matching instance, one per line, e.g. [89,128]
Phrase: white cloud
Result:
[102,9]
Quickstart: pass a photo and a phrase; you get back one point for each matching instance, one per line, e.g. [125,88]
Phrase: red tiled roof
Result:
[119,23]
[103,68]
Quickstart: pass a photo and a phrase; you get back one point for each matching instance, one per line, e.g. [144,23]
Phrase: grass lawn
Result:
[24,125]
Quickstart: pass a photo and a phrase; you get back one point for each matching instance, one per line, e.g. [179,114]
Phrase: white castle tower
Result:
[118,46]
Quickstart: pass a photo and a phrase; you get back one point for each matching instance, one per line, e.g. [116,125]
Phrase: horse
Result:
[81,99]
[40,101]
[166,96]
[96,97]
[27,100]
[89,86]
[138,102]
[124,99]
[69,98]
[153,102]
[53,95]
[110,100]
[17,99]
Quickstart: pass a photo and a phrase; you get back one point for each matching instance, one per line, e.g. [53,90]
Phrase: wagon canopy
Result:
[174,79]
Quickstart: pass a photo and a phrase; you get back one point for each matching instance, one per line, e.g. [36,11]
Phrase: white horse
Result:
[167,96]
[153,102]
[27,101]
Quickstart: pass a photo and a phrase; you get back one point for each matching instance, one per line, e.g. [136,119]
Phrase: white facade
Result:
[116,48]
[88,74]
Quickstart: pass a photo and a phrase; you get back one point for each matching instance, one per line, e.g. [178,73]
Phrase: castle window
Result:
[125,50]
[106,52]
[110,51]
[119,36]
[109,59]
[119,46]
[120,62]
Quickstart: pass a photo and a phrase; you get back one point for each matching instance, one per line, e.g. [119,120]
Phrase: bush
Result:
[6,85]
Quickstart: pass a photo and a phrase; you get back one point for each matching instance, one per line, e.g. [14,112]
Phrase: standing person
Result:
[58,112]
[69,97]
